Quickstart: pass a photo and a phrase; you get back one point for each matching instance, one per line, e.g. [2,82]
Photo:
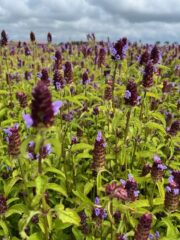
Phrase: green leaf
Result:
[81,146]
[36,236]
[150,94]
[4,227]
[77,233]
[88,187]
[139,203]
[41,184]
[160,186]
[159,117]
[9,185]
[16,209]
[56,146]
[55,170]
[155,126]
[68,215]
[57,188]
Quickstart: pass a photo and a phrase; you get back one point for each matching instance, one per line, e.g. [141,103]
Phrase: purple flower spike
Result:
[99,136]
[56,106]
[28,120]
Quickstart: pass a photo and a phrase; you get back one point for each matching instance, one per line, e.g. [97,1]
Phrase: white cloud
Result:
[147,20]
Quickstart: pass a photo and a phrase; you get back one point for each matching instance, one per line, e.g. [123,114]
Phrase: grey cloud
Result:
[72,20]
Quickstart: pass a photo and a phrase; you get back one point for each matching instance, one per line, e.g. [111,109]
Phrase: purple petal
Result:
[56,106]
[99,136]
[96,201]
[48,148]
[31,144]
[8,131]
[157,159]
[171,179]
[168,189]
[130,177]
[136,193]
[28,120]
[157,234]
[127,94]
[123,182]
[97,212]
[176,191]
[151,236]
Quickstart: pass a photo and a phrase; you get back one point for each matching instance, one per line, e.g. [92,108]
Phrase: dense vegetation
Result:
[89,140]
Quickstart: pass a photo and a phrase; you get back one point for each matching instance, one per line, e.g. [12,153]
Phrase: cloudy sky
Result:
[148,20]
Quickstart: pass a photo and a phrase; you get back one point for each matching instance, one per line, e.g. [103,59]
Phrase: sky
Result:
[67,20]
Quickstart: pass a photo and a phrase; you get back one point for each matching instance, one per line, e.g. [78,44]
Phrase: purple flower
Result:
[123,182]
[31,144]
[53,58]
[136,193]
[176,191]
[58,85]
[39,75]
[99,136]
[56,106]
[31,156]
[168,189]
[113,51]
[97,201]
[157,159]
[8,131]
[127,94]
[97,211]
[157,234]
[28,120]
[161,167]
[171,179]
[48,149]
[130,177]
[151,236]
[104,214]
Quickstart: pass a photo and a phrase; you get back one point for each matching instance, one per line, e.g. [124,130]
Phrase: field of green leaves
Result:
[89,140]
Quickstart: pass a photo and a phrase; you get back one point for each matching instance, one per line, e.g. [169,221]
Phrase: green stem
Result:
[113,85]
[111,210]
[125,138]
[152,195]
[45,210]
[127,125]
[142,105]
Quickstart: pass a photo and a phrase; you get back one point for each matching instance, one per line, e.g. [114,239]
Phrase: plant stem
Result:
[125,138]
[111,210]
[113,85]
[152,195]
[45,218]
[142,105]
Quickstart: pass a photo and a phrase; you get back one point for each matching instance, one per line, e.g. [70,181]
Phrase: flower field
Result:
[89,140]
